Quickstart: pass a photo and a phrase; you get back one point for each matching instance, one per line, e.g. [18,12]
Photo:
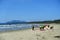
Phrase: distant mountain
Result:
[15,22]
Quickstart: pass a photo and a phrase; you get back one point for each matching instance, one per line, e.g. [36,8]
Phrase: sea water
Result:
[16,27]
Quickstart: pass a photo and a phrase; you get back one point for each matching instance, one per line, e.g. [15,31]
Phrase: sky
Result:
[29,10]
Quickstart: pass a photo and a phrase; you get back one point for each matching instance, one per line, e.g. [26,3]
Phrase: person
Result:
[41,28]
[48,26]
[51,27]
[32,27]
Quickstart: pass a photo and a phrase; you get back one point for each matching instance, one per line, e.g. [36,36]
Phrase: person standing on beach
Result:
[32,27]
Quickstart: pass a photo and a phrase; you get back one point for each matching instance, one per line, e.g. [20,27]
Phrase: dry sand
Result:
[32,35]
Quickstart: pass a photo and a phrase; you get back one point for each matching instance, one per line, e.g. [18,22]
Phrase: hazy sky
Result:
[29,10]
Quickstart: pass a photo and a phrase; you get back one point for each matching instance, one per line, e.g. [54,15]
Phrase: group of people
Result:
[44,27]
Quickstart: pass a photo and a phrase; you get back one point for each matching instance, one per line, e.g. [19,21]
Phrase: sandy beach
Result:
[29,34]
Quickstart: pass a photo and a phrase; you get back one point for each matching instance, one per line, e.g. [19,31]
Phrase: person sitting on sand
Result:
[47,27]
[51,27]
[41,28]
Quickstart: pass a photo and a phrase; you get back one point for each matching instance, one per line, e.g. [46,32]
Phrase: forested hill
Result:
[51,21]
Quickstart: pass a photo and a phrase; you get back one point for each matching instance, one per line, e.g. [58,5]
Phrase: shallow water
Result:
[16,27]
